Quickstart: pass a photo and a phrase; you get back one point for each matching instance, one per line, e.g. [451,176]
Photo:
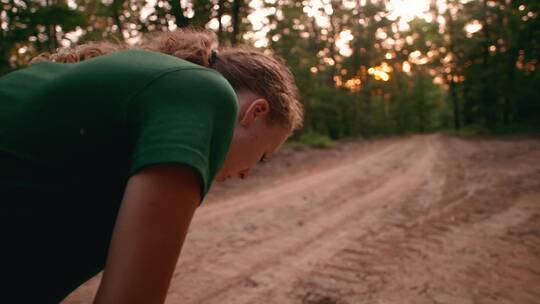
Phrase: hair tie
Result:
[213,57]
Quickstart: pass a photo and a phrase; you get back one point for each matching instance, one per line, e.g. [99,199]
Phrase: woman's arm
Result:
[152,223]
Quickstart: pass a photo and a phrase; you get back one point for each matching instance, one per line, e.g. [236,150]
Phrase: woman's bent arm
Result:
[157,208]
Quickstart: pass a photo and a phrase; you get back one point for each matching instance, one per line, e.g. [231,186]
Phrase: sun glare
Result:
[407,10]
[381,72]
[342,43]
[473,27]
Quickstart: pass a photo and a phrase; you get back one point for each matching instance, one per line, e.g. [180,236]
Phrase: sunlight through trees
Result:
[364,67]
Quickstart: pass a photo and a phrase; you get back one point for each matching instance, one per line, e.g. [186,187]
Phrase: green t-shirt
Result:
[119,112]
[72,134]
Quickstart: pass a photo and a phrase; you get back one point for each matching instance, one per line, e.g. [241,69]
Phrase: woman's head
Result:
[269,107]
[256,137]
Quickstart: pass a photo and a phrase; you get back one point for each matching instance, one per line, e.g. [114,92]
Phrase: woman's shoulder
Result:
[155,66]
[195,83]
[142,59]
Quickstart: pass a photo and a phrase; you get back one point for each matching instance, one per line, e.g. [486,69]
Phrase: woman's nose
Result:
[243,174]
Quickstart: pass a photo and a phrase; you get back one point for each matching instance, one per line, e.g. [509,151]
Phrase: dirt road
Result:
[423,219]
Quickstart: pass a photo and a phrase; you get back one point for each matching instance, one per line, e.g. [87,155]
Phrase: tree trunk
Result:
[453,70]
[455,105]
[332,47]
[51,32]
[421,104]
[178,12]
[236,21]
[488,96]
[4,52]
[116,9]
[221,3]
[467,104]
[512,55]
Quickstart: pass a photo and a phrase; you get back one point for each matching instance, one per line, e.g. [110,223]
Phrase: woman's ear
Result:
[259,108]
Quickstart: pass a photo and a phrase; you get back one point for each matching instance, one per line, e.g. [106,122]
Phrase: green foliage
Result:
[312,140]
[486,80]
[468,131]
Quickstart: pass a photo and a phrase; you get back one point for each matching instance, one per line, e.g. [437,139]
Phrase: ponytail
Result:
[189,44]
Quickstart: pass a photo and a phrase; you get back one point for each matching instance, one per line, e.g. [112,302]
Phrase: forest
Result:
[364,67]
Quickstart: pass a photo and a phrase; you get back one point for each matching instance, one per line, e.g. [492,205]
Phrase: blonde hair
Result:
[246,68]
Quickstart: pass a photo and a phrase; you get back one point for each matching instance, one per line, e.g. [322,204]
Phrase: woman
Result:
[106,152]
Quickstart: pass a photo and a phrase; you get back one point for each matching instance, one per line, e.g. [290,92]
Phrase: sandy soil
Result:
[423,219]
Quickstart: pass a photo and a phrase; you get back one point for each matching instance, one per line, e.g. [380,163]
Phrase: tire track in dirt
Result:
[327,225]
[338,272]
[424,263]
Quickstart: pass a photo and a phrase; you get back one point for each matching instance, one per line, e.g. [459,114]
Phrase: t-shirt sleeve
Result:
[186,117]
